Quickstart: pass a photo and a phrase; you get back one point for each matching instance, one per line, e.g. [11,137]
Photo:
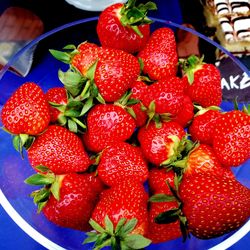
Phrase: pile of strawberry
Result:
[134,144]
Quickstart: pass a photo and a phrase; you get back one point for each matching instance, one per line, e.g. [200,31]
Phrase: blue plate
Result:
[14,194]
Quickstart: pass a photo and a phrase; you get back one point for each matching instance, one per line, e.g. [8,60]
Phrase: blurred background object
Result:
[18,27]
[93,5]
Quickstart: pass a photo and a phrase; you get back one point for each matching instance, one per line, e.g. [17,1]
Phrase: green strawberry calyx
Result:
[190,65]
[20,141]
[72,112]
[65,56]
[178,150]
[199,110]
[51,185]
[126,101]
[119,237]
[132,15]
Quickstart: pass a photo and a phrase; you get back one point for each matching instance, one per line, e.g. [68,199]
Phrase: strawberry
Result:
[159,56]
[161,144]
[115,72]
[97,72]
[164,96]
[106,124]
[125,26]
[87,55]
[121,160]
[81,57]
[185,116]
[204,79]
[57,95]
[213,205]
[26,111]
[121,214]
[59,150]
[162,232]
[138,89]
[202,159]
[231,138]
[202,126]
[165,216]
[158,178]
[67,200]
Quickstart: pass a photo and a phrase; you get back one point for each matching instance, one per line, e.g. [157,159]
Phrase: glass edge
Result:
[15,215]
[26,227]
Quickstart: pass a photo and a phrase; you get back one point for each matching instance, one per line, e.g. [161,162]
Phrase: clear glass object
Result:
[93,5]
[14,194]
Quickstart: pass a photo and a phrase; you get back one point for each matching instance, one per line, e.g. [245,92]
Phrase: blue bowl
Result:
[14,194]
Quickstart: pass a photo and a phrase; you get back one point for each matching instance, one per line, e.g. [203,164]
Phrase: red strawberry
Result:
[202,126]
[115,72]
[106,124]
[87,55]
[138,90]
[57,95]
[204,79]
[67,200]
[81,57]
[122,206]
[26,111]
[159,56]
[202,159]
[214,205]
[186,114]
[158,178]
[162,232]
[231,138]
[59,150]
[121,160]
[108,72]
[125,26]
[161,144]
[166,94]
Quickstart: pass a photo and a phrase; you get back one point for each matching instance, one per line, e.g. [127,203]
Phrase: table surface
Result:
[11,236]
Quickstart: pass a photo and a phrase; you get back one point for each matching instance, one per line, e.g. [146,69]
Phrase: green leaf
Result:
[42,168]
[161,198]
[103,244]
[72,112]
[136,241]
[78,122]
[91,71]
[55,187]
[132,101]
[40,179]
[87,106]
[72,126]
[129,226]
[92,237]
[166,217]
[40,206]
[61,56]
[100,98]
[69,47]
[16,142]
[96,226]
[108,225]
[119,225]
[131,112]
[72,80]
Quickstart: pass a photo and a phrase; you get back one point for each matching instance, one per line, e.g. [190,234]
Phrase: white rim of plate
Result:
[86,5]
[26,227]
